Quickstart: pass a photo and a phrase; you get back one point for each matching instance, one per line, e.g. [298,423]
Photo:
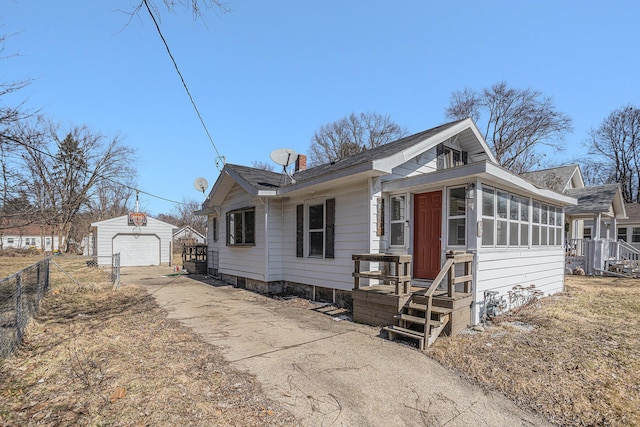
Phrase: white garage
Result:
[140,240]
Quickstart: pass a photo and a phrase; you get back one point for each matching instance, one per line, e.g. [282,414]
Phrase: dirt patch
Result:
[95,356]
[574,356]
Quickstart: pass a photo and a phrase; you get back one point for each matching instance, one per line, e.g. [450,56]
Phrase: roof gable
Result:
[605,199]
[372,162]
[124,220]
[558,179]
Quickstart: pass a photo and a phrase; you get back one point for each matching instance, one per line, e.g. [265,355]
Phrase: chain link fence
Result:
[20,296]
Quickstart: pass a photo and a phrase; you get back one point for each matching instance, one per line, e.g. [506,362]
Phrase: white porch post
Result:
[597,227]
[598,255]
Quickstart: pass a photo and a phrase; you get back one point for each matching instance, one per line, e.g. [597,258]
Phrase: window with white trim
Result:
[398,220]
[448,157]
[214,228]
[622,234]
[502,218]
[457,219]
[241,227]
[316,230]
[635,234]
[515,221]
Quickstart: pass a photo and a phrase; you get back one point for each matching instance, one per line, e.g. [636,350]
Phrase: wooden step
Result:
[392,331]
[434,309]
[417,320]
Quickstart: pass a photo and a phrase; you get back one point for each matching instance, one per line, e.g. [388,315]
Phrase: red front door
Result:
[427,229]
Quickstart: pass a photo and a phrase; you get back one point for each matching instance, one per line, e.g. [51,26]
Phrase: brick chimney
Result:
[301,163]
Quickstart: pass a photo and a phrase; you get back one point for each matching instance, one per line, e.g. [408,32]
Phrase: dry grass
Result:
[95,356]
[580,363]
[13,261]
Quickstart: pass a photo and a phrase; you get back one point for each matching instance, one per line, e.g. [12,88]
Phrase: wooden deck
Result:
[379,305]
[420,310]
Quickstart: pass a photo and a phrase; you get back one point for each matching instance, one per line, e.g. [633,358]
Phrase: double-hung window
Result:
[398,218]
[241,227]
[316,230]
[317,235]
[622,234]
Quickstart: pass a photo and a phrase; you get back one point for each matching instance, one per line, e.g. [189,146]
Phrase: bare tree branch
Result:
[351,135]
[615,149]
[518,122]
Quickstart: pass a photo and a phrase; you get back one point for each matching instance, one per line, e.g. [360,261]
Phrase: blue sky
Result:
[269,73]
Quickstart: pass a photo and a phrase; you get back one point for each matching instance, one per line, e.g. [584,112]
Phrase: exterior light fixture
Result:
[470,191]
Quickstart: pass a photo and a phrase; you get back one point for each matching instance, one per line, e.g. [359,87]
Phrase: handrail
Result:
[629,247]
[429,294]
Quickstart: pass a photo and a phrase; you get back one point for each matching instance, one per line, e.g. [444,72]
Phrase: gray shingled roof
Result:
[554,178]
[592,199]
[267,180]
[633,213]
[372,154]
[260,179]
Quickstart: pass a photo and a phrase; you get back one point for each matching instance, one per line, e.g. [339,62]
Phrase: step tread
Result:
[417,320]
[405,332]
[434,309]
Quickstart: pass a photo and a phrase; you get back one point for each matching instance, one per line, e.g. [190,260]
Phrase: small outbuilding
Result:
[188,236]
[140,240]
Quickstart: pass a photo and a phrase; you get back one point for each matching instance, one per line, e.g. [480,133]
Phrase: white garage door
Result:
[140,250]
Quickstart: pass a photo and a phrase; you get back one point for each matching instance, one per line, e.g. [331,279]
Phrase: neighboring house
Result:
[629,228]
[422,195]
[187,235]
[33,236]
[148,243]
[592,225]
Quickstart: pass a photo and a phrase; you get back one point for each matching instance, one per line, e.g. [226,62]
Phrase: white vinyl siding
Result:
[243,261]
[351,237]
[112,229]
[502,269]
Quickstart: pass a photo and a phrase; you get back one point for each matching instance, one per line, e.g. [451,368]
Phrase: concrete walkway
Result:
[326,372]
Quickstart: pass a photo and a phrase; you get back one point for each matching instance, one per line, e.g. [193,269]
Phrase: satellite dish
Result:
[284,156]
[201,184]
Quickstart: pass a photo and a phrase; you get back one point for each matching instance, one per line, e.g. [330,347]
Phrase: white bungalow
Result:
[422,196]
[32,236]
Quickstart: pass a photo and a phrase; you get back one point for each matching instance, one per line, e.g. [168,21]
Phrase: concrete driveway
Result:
[327,372]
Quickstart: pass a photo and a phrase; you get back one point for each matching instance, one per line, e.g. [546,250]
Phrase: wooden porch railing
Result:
[394,269]
[449,270]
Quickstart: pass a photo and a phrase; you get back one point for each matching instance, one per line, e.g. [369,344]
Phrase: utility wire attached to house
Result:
[220,159]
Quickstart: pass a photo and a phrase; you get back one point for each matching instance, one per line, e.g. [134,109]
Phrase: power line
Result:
[106,178]
[186,88]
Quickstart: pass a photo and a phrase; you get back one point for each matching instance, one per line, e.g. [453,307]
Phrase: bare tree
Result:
[615,147]
[262,165]
[69,172]
[198,8]
[15,208]
[352,134]
[517,122]
[185,211]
